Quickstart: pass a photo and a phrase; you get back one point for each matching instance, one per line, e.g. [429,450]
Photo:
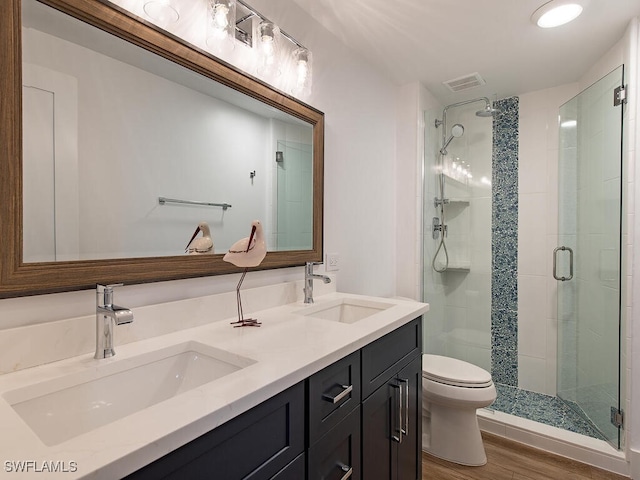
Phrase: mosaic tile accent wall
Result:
[504,248]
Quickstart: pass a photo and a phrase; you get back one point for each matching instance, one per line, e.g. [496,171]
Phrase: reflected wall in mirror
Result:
[109,128]
[115,115]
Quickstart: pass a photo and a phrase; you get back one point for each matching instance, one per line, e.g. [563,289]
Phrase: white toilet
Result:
[452,392]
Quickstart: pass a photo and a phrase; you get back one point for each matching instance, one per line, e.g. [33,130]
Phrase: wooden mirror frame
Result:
[18,278]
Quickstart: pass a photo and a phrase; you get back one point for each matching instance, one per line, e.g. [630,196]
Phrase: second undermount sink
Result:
[65,407]
[345,310]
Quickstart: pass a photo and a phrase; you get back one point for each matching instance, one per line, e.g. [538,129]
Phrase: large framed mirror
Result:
[118,139]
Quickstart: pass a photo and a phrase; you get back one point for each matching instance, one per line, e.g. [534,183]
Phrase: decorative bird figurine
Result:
[247,252]
[200,245]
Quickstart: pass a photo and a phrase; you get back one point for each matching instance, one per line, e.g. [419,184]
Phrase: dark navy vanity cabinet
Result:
[358,418]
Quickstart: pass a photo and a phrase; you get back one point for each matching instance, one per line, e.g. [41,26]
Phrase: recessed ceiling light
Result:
[557,12]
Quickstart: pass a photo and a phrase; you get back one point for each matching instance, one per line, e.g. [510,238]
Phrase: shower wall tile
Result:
[532,246]
[504,366]
[532,319]
[532,169]
[552,191]
[551,376]
[504,329]
[504,227]
[531,373]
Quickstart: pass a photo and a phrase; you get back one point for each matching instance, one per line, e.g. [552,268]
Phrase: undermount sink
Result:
[345,310]
[63,408]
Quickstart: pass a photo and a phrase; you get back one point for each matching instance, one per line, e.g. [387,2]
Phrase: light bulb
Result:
[161,11]
[267,45]
[221,25]
[302,71]
[221,16]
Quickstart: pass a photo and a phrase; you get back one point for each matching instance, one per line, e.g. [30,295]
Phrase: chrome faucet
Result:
[309,277]
[108,314]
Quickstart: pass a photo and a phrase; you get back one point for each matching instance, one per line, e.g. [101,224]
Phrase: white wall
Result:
[360,120]
[160,152]
[413,101]
[631,327]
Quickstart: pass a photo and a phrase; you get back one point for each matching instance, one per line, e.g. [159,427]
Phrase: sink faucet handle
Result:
[106,291]
[111,286]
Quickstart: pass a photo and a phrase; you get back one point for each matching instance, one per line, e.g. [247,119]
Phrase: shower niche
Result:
[458,220]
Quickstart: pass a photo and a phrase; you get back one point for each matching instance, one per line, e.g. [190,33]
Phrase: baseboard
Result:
[560,442]
[634,457]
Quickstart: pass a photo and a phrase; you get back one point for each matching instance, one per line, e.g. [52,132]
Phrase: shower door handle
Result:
[555,256]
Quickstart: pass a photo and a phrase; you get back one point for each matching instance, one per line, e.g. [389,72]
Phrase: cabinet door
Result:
[378,420]
[255,445]
[409,456]
[392,427]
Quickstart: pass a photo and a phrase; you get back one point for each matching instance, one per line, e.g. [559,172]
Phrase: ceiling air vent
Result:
[465,82]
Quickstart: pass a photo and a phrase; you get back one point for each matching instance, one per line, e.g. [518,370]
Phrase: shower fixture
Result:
[488,111]
[456,131]
[438,225]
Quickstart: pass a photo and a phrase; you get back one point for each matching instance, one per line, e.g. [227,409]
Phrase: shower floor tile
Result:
[542,408]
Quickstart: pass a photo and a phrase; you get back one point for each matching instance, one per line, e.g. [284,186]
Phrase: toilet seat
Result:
[454,372]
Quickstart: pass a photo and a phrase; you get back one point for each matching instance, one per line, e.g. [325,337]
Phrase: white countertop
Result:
[287,348]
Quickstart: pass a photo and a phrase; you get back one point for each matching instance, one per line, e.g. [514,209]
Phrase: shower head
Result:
[488,111]
[456,131]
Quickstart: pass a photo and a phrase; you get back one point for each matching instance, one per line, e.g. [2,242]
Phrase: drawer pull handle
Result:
[347,469]
[347,389]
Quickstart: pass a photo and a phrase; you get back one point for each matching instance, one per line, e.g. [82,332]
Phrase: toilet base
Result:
[452,434]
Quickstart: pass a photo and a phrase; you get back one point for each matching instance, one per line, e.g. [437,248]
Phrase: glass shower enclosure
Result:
[587,261]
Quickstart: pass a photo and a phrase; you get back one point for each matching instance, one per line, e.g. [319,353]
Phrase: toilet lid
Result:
[452,371]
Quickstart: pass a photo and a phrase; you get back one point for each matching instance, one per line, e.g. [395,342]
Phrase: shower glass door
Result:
[294,180]
[587,260]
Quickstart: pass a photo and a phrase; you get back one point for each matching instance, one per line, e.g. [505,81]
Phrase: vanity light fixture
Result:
[268,48]
[221,24]
[275,54]
[161,11]
[557,12]
[302,61]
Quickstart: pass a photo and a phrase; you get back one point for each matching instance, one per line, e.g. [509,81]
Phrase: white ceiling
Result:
[432,41]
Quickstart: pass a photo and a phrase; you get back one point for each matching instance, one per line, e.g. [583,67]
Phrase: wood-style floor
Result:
[508,460]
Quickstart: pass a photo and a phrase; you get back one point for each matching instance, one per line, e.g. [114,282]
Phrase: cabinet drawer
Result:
[255,445]
[379,358]
[337,454]
[333,393]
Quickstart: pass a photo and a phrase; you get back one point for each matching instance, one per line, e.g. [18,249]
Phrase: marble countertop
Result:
[286,349]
